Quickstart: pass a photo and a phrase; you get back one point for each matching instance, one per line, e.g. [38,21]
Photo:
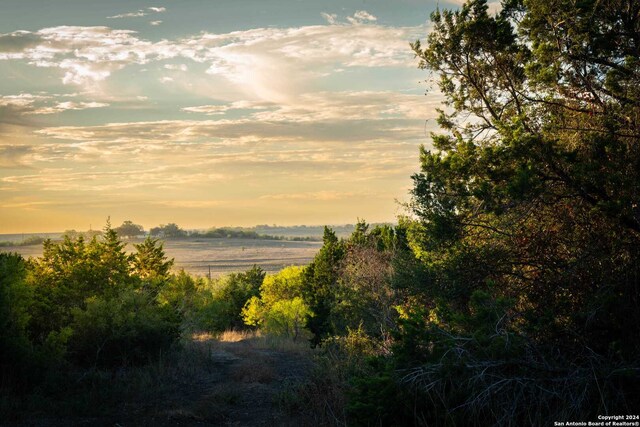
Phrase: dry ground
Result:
[249,383]
[220,256]
[238,379]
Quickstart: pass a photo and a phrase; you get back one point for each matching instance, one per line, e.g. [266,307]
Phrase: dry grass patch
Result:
[236,336]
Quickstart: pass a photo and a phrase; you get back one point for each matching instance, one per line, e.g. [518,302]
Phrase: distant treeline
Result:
[173,231]
[128,229]
[28,241]
[297,233]
[234,233]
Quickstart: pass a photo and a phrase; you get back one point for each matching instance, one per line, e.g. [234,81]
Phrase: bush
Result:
[280,310]
[221,308]
[127,329]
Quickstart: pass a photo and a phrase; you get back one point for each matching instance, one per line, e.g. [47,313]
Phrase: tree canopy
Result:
[129,229]
[527,204]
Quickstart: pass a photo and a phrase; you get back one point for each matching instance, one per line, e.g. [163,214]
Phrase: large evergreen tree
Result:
[528,211]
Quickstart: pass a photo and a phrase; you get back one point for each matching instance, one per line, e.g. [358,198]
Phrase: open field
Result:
[222,256]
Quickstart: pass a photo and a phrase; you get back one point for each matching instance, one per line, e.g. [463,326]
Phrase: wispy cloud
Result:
[13,155]
[67,105]
[176,67]
[331,18]
[139,13]
[316,195]
[29,104]
[361,16]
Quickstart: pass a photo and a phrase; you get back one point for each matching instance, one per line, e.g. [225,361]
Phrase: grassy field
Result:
[222,256]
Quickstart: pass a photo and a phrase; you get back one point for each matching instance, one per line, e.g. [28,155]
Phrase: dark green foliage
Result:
[129,229]
[539,188]
[15,301]
[319,285]
[222,310]
[527,233]
[70,272]
[183,293]
[169,231]
[29,241]
[129,328]
[87,302]
[233,233]
[376,397]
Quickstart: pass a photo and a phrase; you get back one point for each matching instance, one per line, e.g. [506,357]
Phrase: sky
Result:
[209,113]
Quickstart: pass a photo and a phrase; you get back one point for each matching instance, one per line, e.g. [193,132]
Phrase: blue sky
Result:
[209,113]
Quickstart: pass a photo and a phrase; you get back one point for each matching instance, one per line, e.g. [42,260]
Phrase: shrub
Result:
[127,329]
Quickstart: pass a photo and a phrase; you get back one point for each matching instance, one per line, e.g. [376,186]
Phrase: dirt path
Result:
[240,380]
[245,383]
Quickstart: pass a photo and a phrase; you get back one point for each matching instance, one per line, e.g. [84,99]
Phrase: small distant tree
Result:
[129,229]
[169,231]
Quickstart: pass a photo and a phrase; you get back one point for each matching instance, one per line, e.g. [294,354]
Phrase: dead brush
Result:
[529,390]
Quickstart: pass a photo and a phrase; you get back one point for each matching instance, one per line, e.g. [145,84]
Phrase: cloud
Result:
[333,106]
[209,110]
[67,105]
[331,18]
[189,204]
[155,23]
[273,64]
[128,15]
[361,16]
[91,181]
[270,63]
[26,104]
[12,156]
[18,41]
[322,137]
[317,195]
[84,54]
[176,67]
[139,13]
[22,101]
[214,110]
[345,106]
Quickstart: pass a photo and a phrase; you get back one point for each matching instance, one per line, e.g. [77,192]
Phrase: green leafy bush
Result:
[221,304]
[130,328]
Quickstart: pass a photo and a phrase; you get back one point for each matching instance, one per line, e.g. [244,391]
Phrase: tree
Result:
[149,261]
[320,280]
[169,231]
[129,229]
[71,271]
[544,181]
[229,297]
[280,309]
[15,301]
[527,209]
